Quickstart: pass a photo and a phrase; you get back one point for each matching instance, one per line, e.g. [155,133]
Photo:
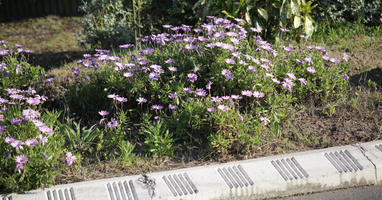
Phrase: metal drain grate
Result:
[61,194]
[7,198]
[122,190]
[180,184]
[343,161]
[289,169]
[235,176]
[379,147]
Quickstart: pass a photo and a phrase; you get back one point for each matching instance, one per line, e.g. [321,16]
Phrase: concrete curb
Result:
[275,176]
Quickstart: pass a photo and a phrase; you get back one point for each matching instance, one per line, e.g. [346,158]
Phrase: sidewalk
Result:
[268,177]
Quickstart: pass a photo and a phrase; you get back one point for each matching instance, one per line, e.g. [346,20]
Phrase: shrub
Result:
[30,149]
[365,11]
[201,88]
[106,23]
[15,72]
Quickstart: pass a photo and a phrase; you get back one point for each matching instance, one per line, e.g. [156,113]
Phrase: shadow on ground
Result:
[362,79]
[51,60]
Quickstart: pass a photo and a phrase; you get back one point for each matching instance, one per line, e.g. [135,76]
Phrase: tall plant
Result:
[265,15]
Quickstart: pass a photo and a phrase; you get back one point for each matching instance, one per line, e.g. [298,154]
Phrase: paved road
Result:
[359,193]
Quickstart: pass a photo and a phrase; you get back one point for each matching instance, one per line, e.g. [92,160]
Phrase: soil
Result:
[357,119]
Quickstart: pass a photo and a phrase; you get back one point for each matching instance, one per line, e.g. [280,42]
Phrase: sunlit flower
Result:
[264,120]
[192,77]
[230,61]
[30,114]
[257,94]
[103,113]
[141,100]
[223,107]
[33,101]
[128,74]
[247,93]
[31,142]
[20,161]
[211,109]
[156,107]
[302,81]
[113,123]
[70,159]
[311,70]
[227,74]
[172,107]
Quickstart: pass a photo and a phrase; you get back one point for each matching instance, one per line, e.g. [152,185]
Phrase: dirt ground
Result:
[356,119]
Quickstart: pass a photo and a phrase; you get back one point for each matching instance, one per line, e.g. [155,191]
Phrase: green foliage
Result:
[15,72]
[80,139]
[368,12]
[158,139]
[34,138]
[106,23]
[267,16]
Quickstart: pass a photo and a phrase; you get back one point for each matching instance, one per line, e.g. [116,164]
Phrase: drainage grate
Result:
[180,184]
[122,190]
[7,198]
[289,169]
[61,194]
[235,176]
[343,161]
[379,147]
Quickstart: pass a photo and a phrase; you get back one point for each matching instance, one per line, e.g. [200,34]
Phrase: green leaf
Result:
[309,29]
[283,13]
[263,13]
[297,21]
[295,7]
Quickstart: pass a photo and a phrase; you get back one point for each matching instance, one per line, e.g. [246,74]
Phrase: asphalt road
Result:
[358,193]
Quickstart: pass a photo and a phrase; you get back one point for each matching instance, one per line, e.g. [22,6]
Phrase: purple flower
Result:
[113,123]
[190,47]
[121,99]
[246,93]
[200,92]
[208,86]
[75,71]
[2,129]
[345,57]
[30,114]
[50,80]
[126,46]
[275,81]
[257,94]
[255,30]
[264,120]
[16,96]
[211,109]
[31,142]
[42,139]
[291,76]
[223,107]
[172,95]
[346,77]
[157,117]
[169,61]
[45,129]
[311,70]
[128,74]
[20,161]
[33,101]
[103,113]
[192,77]
[70,159]
[334,60]
[302,81]
[240,118]
[173,69]
[187,90]
[154,76]
[173,107]
[17,144]
[15,121]
[229,61]
[156,107]
[284,30]
[252,68]
[141,100]
[227,74]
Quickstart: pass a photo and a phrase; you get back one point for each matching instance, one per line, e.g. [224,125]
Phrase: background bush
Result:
[368,12]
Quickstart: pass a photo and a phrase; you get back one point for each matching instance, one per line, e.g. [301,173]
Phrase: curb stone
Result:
[261,178]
